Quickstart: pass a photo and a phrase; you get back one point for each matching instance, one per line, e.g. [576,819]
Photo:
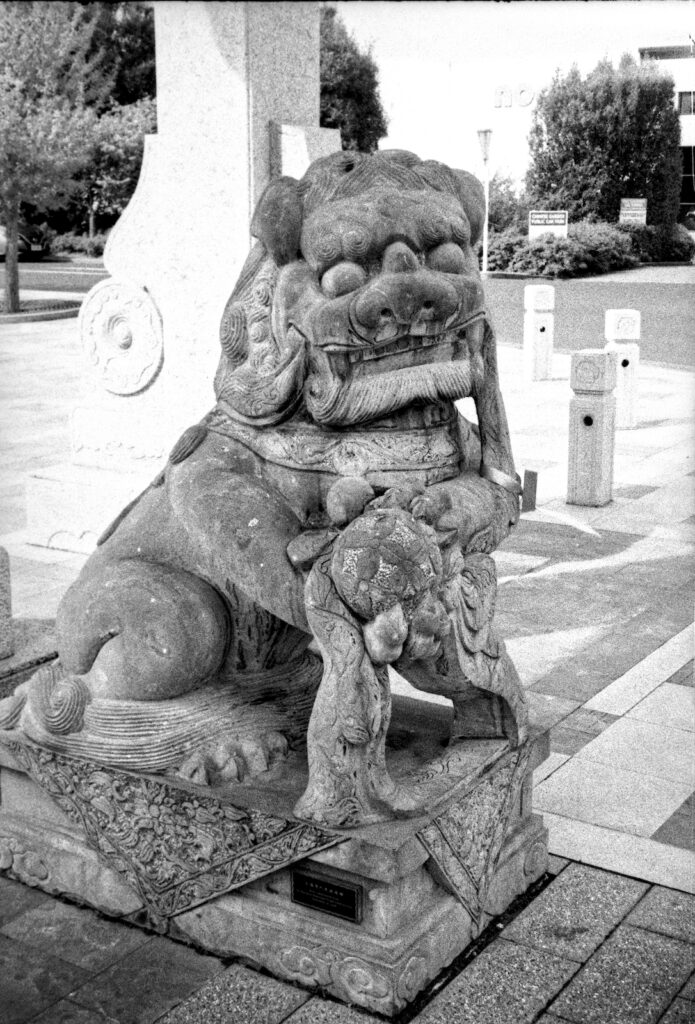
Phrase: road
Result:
[665,296]
[58,275]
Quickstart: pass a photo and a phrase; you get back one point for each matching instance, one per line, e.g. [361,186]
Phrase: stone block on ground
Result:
[666,911]
[240,995]
[147,983]
[632,979]
[573,916]
[30,981]
[506,984]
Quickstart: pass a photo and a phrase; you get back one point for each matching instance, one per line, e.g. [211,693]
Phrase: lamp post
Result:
[484,136]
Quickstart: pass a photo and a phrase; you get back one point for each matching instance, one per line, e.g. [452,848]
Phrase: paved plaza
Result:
[596,606]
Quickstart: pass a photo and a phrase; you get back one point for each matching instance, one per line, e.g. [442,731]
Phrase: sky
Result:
[441,62]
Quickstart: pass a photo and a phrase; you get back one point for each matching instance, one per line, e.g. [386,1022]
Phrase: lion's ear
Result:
[277,221]
[472,196]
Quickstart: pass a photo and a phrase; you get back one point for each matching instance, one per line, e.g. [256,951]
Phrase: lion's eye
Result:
[447,258]
[343,278]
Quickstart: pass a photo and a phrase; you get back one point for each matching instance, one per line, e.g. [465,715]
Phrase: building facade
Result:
[679,62]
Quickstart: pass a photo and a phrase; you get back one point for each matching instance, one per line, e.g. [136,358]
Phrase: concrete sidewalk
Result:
[596,606]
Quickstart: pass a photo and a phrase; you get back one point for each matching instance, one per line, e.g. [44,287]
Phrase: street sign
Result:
[633,211]
[547,222]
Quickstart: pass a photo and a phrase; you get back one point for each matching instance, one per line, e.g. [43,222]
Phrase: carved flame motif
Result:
[465,842]
[175,847]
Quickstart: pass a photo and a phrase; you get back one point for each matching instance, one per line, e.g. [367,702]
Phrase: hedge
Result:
[72,242]
[589,249]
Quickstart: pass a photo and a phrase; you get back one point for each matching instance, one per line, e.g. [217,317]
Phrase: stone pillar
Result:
[6,637]
[237,101]
[539,330]
[622,336]
[591,428]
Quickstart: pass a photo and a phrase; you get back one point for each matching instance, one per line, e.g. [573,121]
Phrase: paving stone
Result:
[79,936]
[564,740]
[546,710]
[667,911]
[321,1011]
[148,982]
[685,676]
[506,984]
[239,995]
[30,981]
[632,979]
[66,1012]
[669,706]
[645,748]
[572,917]
[611,797]
[556,864]
[590,721]
[679,829]
[688,990]
[16,898]
[681,1011]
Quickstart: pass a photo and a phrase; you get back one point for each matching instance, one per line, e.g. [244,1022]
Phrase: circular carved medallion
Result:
[121,332]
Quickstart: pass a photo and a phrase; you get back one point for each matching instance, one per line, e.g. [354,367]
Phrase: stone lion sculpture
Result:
[357,323]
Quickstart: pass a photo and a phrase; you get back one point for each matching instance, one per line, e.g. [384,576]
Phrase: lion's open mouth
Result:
[417,344]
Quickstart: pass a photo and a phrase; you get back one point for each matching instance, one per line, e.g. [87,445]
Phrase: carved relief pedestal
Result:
[371,914]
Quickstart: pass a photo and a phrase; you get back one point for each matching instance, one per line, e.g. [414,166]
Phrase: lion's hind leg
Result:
[136,630]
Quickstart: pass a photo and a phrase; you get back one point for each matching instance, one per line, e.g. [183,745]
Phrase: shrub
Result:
[502,247]
[550,256]
[71,242]
[660,244]
[604,247]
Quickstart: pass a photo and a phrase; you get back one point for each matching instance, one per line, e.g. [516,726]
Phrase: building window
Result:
[685,103]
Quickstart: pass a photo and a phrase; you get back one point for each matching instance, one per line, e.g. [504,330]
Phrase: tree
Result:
[508,209]
[45,124]
[349,87]
[109,180]
[611,135]
[124,35]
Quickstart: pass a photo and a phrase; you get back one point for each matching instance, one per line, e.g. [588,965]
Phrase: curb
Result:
[42,314]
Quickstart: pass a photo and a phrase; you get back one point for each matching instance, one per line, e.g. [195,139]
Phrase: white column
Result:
[539,331]
[622,331]
[591,428]
[237,100]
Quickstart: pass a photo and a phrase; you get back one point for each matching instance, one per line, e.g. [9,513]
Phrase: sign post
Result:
[547,222]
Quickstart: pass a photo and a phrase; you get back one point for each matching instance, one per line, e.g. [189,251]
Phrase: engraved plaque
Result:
[328,894]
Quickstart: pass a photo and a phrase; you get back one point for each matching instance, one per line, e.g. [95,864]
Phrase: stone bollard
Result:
[592,427]
[539,329]
[622,335]
[6,639]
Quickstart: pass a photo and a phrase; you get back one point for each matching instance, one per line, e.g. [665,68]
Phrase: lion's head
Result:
[362,296]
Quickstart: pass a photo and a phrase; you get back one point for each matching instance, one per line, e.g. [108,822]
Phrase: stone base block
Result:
[410,927]
[371,914]
[69,506]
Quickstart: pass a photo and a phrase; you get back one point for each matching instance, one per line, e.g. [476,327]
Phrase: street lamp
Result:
[484,136]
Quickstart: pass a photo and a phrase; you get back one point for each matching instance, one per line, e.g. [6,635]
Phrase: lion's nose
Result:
[404,297]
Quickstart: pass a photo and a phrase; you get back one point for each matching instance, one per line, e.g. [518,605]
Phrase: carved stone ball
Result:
[382,559]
